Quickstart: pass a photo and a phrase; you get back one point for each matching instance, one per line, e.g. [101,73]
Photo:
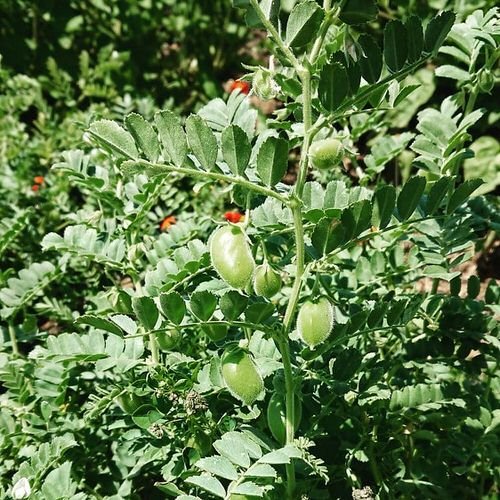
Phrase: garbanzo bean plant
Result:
[323,344]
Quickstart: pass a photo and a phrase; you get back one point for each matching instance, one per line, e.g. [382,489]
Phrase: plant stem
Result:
[307,112]
[289,411]
[285,347]
[248,334]
[192,172]
[188,278]
[365,92]
[325,347]
[489,240]
[275,35]
[238,324]
[324,260]
[299,270]
[373,461]
[323,30]
[471,102]
[435,285]
[13,339]
[295,204]
[152,199]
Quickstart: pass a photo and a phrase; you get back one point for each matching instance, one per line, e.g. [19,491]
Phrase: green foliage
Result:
[170,279]
[29,283]
[103,50]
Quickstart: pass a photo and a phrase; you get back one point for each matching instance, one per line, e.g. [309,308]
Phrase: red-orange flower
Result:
[38,179]
[243,86]
[35,187]
[233,217]
[167,222]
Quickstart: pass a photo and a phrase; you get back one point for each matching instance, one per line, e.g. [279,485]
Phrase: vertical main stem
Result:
[305,77]
[289,412]
[299,269]
[285,347]
[295,205]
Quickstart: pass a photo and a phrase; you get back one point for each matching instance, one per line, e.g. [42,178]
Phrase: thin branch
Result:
[167,168]
[276,37]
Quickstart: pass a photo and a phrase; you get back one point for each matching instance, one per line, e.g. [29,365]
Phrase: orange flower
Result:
[244,87]
[233,217]
[167,222]
[35,187]
[39,179]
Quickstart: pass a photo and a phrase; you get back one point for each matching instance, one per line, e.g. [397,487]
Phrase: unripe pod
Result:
[231,256]
[241,376]
[266,282]
[486,80]
[264,85]
[276,416]
[315,321]
[168,339]
[326,153]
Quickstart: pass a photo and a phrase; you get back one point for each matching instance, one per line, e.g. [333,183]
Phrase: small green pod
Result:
[231,256]
[168,339]
[241,376]
[264,85]
[326,153]
[276,416]
[266,281]
[315,321]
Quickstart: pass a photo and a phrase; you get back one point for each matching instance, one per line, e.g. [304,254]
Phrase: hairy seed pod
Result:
[231,256]
[241,376]
[326,154]
[168,339]
[266,282]
[276,416]
[315,321]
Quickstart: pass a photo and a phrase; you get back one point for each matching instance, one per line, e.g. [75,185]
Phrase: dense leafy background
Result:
[404,398]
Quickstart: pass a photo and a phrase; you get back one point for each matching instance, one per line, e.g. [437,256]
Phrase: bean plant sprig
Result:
[326,71]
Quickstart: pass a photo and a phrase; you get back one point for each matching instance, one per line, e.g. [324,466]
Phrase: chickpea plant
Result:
[269,293]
